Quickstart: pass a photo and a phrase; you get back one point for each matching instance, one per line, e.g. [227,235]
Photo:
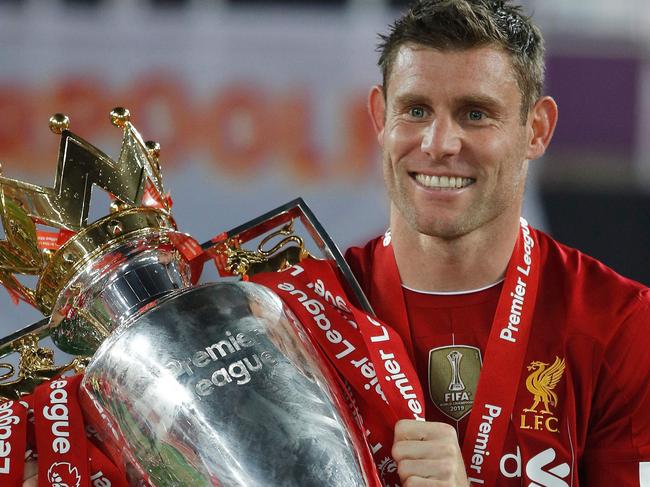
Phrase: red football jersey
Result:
[582,412]
[441,324]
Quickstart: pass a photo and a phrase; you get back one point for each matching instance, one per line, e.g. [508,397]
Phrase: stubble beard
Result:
[483,209]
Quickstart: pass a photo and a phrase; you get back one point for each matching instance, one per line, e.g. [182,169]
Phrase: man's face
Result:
[454,146]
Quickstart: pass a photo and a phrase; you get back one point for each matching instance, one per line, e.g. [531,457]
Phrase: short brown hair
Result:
[463,24]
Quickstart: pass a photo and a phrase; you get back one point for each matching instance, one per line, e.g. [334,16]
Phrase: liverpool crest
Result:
[541,382]
[453,378]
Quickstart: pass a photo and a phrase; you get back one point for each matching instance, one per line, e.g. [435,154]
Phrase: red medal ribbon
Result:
[103,472]
[354,344]
[13,442]
[153,199]
[60,434]
[66,453]
[52,240]
[47,240]
[505,352]
[504,360]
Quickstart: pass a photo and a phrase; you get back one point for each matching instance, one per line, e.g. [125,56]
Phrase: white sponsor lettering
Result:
[456,396]
[316,310]
[367,369]
[384,331]
[295,270]
[536,469]
[387,238]
[541,476]
[510,464]
[374,448]
[644,474]
[337,301]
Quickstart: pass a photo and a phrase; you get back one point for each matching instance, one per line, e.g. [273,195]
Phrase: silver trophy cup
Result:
[216,385]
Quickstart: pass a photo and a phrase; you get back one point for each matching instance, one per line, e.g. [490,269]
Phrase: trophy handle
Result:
[36,365]
[247,263]
[283,216]
[10,343]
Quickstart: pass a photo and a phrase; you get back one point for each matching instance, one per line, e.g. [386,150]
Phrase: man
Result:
[563,394]
[558,338]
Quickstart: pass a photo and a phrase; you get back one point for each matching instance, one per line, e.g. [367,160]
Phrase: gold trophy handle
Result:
[35,366]
[295,209]
[7,374]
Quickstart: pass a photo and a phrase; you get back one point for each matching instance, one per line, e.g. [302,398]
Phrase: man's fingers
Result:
[431,450]
[30,474]
[31,482]
[423,482]
[431,469]
[409,429]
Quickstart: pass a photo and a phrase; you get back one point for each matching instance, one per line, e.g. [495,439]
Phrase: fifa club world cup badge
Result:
[453,378]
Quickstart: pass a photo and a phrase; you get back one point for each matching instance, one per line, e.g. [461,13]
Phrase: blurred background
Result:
[258,102]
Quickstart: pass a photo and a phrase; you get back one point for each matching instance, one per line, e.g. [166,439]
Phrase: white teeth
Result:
[443,182]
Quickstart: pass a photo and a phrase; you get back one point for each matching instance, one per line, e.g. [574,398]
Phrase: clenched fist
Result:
[428,454]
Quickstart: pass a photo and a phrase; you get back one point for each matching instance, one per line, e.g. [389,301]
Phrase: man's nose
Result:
[441,138]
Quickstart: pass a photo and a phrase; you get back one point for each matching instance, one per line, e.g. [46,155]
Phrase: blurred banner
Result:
[251,110]
[256,107]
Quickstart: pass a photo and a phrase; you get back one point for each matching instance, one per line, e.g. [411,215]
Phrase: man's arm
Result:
[617,447]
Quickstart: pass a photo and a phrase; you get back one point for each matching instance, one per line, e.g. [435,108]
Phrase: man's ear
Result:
[542,120]
[377,110]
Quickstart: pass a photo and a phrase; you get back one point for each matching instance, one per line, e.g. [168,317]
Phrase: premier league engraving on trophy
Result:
[213,384]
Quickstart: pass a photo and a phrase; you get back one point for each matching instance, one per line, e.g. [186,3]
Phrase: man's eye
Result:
[417,112]
[475,115]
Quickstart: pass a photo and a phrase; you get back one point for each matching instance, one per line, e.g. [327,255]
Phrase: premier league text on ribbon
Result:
[393,370]
[8,418]
[509,333]
[482,439]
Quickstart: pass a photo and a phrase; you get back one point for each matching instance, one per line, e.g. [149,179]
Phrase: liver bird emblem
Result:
[541,383]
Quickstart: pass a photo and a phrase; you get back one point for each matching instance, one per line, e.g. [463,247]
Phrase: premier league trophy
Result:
[213,384]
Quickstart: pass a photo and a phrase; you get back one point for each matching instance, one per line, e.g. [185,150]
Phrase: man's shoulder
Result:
[363,252]
[360,258]
[581,271]
[589,291]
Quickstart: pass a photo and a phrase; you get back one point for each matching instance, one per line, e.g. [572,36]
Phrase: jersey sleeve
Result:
[617,447]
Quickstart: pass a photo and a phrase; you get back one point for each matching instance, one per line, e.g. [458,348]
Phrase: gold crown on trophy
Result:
[134,181]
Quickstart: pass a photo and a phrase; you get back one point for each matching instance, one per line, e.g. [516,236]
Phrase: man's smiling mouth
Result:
[442,182]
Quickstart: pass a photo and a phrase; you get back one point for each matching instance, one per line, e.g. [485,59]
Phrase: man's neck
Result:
[472,261]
